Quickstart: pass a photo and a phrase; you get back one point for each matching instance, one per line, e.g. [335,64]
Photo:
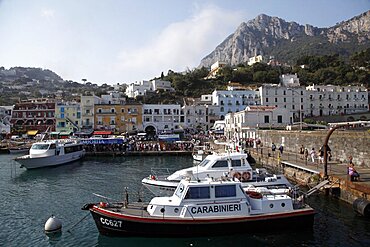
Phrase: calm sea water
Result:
[29,198]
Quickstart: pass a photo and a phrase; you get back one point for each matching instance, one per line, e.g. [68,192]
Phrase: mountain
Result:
[288,41]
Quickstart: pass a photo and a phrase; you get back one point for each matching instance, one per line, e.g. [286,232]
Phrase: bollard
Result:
[362,206]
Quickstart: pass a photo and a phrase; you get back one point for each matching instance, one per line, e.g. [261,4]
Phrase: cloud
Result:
[179,46]
[47,13]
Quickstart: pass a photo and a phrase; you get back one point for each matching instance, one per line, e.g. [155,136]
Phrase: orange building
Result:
[118,118]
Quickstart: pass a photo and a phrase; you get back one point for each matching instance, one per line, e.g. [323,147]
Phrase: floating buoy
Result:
[53,225]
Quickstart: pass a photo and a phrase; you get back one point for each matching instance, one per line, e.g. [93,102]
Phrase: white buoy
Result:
[53,225]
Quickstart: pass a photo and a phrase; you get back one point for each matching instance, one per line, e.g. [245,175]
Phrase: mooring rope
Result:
[69,230]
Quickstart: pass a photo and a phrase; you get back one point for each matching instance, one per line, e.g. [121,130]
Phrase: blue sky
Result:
[112,41]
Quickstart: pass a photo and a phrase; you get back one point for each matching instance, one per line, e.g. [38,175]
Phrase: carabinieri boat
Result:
[229,165]
[51,153]
[202,209]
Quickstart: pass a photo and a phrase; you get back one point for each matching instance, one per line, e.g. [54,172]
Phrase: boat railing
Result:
[160,172]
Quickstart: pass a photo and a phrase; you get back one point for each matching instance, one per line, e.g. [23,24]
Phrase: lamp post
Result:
[300,107]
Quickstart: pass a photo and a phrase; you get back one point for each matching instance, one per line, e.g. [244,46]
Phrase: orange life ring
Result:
[246,176]
[254,194]
[237,175]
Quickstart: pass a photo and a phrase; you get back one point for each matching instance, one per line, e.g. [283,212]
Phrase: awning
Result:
[32,132]
[102,141]
[103,132]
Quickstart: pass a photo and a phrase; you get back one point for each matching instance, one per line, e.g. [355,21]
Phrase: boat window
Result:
[72,149]
[220,163]
[40,146]
[225,191]
[180,190]
[204,163]
[235,163]
[198,193]
[53,146]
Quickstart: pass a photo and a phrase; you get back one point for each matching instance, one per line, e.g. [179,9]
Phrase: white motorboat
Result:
[202,209]
[227,165]
[51,153]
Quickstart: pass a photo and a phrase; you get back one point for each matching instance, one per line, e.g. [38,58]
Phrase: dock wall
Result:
[342,143]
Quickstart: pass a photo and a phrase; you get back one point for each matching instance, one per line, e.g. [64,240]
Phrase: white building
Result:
[162,85]
[255,117]
[87,111]
[291,98]
[234,101]
[289,80]
[200,117]
[215,68]
[256,59]
[5,116]
[113,98]
[163,118]
[336,100]
[140,88]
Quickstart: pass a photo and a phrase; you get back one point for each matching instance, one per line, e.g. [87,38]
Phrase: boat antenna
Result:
[126,198]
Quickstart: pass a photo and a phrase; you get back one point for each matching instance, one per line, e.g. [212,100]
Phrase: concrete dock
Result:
[310,174]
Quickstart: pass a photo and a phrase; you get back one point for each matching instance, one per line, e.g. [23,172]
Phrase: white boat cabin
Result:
[53,147]
[215,199]
[216,166]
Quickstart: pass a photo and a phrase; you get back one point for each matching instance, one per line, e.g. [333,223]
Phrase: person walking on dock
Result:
[313,155]
[301,152]
[281,149]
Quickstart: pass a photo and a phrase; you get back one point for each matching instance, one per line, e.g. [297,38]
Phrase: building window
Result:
[275,99]
[267,119]
[280,119]
[123,110]
[267,99]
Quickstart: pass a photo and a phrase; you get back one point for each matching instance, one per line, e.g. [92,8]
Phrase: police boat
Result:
[202,209]
[229,165]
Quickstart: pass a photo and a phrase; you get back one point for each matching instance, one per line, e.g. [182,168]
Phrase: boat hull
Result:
[114,224]
[33,163]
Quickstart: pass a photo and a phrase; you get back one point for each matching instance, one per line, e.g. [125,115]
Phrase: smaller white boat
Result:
[19,150]
[51,153]
[224,166]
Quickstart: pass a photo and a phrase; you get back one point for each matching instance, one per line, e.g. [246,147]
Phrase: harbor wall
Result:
[343,143]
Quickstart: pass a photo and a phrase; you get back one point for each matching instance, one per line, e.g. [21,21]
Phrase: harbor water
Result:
[29,198]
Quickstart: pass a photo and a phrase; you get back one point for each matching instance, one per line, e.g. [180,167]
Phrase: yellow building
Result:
[118,118]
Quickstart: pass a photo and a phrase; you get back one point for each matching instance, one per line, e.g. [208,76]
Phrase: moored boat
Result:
[51,153]
[227,165]
[202,208]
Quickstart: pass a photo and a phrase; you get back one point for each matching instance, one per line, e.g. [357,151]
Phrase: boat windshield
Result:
[180,190]
[40,146]
[204,163]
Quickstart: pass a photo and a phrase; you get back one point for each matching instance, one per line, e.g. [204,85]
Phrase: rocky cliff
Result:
[286,41]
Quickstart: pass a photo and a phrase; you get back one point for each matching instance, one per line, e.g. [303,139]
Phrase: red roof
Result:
[102,132]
